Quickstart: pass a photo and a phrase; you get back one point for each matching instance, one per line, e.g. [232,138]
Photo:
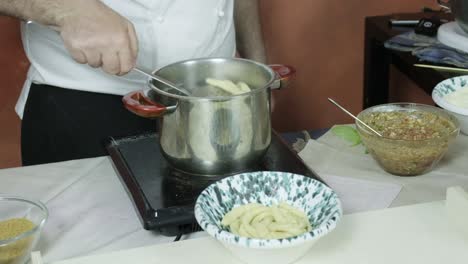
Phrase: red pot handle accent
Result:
[285,74]
[138,103]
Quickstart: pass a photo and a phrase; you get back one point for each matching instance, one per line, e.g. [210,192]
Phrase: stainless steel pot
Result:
[212,133]
[459,9]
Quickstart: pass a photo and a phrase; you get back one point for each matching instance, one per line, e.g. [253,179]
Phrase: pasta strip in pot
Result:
[229,86]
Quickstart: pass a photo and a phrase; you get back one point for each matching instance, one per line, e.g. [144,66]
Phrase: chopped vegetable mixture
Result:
[405,125]
[413,141]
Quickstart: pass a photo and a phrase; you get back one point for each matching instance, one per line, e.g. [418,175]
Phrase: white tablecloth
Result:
[90,212]
[332,155]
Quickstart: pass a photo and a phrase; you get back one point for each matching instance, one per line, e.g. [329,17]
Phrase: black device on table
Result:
[164,197]
[423,26]
[428,26]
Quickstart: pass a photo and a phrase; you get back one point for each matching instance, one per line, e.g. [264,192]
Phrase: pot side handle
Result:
[138,103]
[284,75]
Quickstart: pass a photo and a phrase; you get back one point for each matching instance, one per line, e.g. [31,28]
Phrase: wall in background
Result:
[324,40]
[14,65]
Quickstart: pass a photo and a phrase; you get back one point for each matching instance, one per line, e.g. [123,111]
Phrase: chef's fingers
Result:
[128,53]
[111,62]
[78,56]
[127,62]
[133,41]
[94,58]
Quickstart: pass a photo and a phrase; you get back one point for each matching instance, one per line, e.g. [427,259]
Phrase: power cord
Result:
[178,237]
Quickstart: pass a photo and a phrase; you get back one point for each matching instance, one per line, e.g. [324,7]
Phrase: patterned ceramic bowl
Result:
[318,201]
[447,87]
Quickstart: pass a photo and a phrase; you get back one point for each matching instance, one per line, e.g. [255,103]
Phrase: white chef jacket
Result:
[167,31]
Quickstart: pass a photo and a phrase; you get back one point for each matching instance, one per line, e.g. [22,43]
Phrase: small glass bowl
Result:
[17,250]
[407,157]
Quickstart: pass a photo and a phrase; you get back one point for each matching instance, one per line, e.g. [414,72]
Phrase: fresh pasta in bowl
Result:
[267,222]
[268,217]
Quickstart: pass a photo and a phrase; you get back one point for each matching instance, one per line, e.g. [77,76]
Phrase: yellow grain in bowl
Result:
[13,253]
[21,223]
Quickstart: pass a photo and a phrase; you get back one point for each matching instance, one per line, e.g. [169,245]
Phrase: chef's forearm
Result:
[248,30]
[46,12]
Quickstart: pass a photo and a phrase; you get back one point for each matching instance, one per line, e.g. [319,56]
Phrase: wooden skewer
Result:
[357,119]
[442,68]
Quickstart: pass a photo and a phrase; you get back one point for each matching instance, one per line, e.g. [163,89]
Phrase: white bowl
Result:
[449,86]
[319,202]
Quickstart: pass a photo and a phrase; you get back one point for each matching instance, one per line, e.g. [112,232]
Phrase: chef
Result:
[82,53]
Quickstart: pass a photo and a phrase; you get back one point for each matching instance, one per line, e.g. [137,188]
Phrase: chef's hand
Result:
[95,34]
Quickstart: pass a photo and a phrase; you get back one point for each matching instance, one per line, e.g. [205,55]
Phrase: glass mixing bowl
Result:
[21,223]
[409,154]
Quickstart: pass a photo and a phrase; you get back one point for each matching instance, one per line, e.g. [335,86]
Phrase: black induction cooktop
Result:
[163,196]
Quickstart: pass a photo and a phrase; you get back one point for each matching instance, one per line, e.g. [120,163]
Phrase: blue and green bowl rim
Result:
[446,87]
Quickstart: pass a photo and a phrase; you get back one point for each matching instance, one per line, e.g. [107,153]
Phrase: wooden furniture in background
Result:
[378,59]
